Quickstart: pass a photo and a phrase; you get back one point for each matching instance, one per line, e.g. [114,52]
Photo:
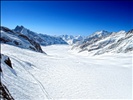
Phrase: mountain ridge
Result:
[11,37]
[100,42]
[103,42]
[42,39]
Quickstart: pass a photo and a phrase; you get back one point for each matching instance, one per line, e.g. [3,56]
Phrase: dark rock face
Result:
[0,63]
[0,69]
[8,62]
[35,44]
[6,29]
[4,93]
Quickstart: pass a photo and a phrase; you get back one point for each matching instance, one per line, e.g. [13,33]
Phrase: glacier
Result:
[63,74]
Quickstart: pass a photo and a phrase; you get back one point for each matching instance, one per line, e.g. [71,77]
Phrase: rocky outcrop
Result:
[8,62]
[4,93]
[5,59]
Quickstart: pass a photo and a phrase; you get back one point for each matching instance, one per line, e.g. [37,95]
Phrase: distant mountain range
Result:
[97,43]
[103,42]
[42,39]
[24,38]
[70,39]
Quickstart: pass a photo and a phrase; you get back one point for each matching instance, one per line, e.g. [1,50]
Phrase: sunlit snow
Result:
[63,74]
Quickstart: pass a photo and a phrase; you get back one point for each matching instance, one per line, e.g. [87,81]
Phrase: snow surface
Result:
[63,74]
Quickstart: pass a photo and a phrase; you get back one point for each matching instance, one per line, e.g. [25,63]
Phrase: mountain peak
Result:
[122,31]
[19,28]
[100,33]
[22,26]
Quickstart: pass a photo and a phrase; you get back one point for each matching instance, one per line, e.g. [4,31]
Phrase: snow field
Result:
[63,74]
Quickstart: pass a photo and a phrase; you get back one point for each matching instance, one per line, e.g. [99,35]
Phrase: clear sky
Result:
[68,17]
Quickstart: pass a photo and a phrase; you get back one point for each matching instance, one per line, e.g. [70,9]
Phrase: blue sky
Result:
[68,17]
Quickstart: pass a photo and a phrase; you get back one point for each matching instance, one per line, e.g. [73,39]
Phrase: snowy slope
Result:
[103,41]
[4,92]
[17,39]
[123,43]
[18,80]
[42,39]
[63,74]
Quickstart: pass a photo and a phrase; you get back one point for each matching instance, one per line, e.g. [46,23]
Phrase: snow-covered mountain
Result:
[11,37]
[42,39]
[70,39]
[103,41]
[95,37]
